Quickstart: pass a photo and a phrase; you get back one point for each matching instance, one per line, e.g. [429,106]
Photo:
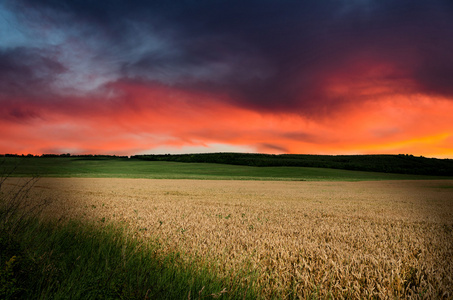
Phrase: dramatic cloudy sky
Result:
[286,76]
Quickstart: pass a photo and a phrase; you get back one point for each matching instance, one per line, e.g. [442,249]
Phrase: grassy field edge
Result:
[128,168]
[75,260]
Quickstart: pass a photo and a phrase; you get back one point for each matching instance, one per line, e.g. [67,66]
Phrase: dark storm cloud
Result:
[266,55]
[272,147]
[26,75]
[27,71]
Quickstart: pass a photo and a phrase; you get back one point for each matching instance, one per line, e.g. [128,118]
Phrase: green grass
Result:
[88,261]
[132,168]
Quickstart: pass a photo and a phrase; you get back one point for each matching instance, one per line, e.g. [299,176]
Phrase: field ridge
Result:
[120,167]
[401,164]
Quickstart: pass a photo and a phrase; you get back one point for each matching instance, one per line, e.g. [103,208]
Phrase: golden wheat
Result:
[388,239]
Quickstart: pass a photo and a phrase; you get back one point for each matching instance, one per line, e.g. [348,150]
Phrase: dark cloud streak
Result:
[27,71]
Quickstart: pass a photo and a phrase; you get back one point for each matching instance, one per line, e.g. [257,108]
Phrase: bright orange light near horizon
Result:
[184,120]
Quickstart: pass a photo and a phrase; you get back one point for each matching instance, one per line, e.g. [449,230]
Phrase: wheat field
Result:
[377,239]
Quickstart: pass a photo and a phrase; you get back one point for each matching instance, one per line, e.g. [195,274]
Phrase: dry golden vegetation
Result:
[386,239]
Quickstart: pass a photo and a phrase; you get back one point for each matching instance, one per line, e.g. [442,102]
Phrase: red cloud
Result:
[137,118]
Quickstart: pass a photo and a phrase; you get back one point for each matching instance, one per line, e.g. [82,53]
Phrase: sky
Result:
[310,77]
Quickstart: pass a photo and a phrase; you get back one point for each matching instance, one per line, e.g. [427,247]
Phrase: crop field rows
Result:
[382,239]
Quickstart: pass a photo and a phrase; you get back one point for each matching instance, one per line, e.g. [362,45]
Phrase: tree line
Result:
[87,156]
[402,163]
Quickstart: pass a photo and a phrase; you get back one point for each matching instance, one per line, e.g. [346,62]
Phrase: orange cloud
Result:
[137,119]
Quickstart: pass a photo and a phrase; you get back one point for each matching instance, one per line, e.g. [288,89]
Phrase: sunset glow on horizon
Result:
[325,77]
